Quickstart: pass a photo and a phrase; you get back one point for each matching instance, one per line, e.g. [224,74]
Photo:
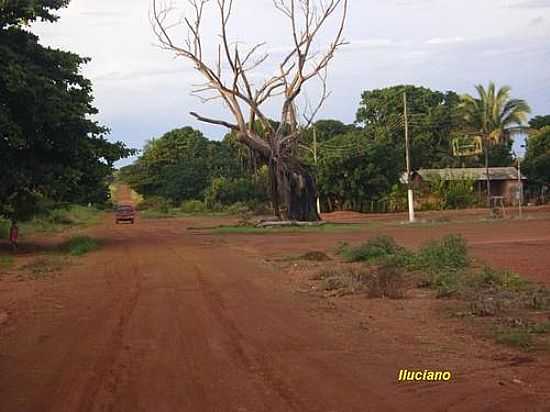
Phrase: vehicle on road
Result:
[125,213]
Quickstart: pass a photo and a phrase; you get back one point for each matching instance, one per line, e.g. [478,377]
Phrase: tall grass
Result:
[57,220]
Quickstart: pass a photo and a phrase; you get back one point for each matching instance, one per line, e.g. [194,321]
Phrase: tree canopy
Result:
[538,122]
[537,157]
[433,117]
[50,146]
[180,165]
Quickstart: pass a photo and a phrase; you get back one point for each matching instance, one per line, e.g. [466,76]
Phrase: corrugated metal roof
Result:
[472,173]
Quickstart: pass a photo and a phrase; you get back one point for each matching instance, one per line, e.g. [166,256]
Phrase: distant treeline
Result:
[358,165]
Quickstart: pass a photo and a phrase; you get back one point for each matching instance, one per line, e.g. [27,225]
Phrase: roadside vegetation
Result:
[47,264]
[62,218]
[504,305]
[80,245]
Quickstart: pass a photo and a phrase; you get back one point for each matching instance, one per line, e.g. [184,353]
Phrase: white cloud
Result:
[445,40]
[143,91]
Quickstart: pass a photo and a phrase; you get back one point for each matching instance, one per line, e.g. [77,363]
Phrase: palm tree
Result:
[495,116]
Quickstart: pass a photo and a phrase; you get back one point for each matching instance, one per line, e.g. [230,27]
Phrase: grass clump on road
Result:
[6,262]
[382,282]
[43,267]
[449,253]
[80,245]
[372,250]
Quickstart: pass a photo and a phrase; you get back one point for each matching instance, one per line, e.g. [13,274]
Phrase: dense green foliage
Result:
[353,178]
[453,194]
[49,146]
[537,159]
[80,245]
[433,117]
[494,114]
[225,192]
[183,165]
[358,166]
[538,122]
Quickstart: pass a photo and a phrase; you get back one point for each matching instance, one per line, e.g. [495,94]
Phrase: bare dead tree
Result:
[229,79]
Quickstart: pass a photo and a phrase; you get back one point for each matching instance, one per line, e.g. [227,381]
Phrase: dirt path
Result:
[164,319]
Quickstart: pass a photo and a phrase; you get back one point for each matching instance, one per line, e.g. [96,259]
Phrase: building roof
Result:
[472,173]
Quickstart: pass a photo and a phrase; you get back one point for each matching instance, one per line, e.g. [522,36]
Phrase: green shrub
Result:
[55,219]
[373,249]
[449,253]
[453,194]
[157,203]
[193,207]
[515,337]
[225,192]
[238,208]
[501,279]
[80,245]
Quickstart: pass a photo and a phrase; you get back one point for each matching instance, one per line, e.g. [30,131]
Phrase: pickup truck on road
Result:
[125,213]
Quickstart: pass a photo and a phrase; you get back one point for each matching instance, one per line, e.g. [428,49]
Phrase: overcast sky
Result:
[141,91]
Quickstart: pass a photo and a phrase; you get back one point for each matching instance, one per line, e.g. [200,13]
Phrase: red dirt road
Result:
[166,319]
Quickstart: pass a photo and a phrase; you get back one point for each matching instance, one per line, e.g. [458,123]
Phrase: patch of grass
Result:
[344,282]
[388,281]
[6,262]
[450,253]
[158,214]
[372,250]
[515,337]
[504,297]
[193,207]
[44,266]
[57,220]
[384,281]
[80,245]
[500,279]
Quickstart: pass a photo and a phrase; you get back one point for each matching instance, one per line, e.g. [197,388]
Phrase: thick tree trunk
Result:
[302,196]
[293,183]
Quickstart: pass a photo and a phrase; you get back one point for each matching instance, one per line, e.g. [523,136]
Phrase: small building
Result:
[503,180]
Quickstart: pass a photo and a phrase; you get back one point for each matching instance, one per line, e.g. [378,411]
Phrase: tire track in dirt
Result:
[254,363]
[109,370]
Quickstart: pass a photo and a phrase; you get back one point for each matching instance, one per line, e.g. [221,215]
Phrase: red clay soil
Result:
[167,319]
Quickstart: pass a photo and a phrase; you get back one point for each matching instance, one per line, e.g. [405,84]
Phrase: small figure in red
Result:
[14,234]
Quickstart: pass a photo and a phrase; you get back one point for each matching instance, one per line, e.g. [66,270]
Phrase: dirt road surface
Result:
[164,319]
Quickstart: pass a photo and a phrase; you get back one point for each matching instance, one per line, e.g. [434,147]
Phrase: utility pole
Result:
[410,193]
[316,165]
[486,140]
[520,189]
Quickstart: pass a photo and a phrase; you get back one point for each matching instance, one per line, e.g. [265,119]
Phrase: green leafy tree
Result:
[433,117]
[537,160]
[364,171]
[538,122]
[49,146]
[180,165]
[494,114]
